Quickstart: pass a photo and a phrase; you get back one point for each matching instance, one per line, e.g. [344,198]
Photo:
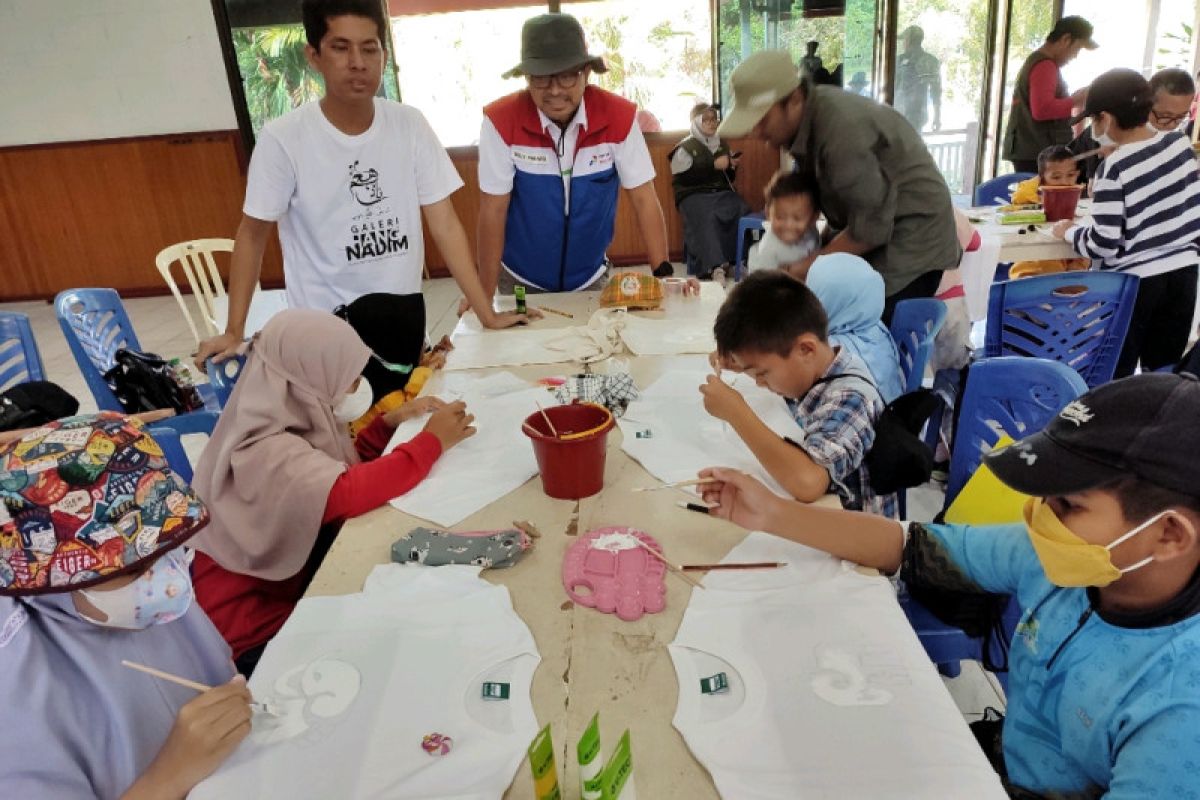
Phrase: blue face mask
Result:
[162,593]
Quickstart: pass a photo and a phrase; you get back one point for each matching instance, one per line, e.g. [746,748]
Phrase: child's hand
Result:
[722,400]
[740,499]
[412,409]
[1059,231]
[451,424]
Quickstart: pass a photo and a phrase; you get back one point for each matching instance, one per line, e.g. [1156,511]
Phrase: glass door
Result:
[939,78]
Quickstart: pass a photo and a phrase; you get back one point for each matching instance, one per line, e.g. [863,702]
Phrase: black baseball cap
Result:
[1144,426]
[1115,90]
[1077,28]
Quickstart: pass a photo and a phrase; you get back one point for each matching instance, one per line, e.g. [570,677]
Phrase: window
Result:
[268,45]
[450,63]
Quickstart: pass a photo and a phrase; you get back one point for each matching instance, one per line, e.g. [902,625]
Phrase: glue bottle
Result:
[590,762]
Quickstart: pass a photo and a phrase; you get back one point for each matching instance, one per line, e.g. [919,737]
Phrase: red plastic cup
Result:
[1059,202]
[572,466]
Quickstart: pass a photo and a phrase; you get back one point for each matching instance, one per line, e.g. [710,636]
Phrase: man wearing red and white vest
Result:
[552,158]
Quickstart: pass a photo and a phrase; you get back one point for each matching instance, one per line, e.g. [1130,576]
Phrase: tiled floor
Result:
[161,329]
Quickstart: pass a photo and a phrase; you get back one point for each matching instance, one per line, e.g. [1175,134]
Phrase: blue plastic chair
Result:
[20,360]
[96,326]
[1078,318]
[1008,395]
[168,439]
[998,190]
[750,222]
[223,376]
[915,324]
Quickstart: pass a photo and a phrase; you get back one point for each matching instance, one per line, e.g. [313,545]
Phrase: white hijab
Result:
[711,142]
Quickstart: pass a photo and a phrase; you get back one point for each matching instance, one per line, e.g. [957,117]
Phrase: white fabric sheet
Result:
[685,325]
[684,438]
[830,693]
[485,467]
[361,679]
[978,269]
[507,348]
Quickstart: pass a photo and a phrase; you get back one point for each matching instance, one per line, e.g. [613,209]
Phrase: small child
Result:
[791,230]
[772,327]
[1104,682]
[1056,167]
[1145,218]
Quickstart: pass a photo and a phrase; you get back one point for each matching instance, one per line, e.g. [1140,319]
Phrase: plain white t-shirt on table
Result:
[359,680]
[829,692]
[348,207]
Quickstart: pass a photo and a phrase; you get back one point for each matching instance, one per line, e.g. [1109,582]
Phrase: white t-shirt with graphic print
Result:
[348,207]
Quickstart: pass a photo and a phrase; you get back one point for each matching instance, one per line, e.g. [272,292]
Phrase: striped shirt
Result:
[1145,209]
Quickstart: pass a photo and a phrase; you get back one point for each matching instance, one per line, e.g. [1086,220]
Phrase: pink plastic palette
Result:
[608,570]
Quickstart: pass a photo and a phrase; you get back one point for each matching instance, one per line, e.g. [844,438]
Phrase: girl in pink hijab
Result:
[280,473]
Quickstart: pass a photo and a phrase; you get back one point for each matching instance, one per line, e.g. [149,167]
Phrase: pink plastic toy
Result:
[609,571]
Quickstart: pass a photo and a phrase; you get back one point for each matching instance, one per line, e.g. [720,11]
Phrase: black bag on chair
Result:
[898,459]
[34,403]
[145,382]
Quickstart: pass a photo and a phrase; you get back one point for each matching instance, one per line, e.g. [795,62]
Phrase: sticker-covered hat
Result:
[87,498]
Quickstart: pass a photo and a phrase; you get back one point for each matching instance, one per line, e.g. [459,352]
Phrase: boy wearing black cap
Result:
[1104,689]
[1145,218]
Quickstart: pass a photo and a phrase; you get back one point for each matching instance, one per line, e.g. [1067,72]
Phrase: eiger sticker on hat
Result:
[1077,413]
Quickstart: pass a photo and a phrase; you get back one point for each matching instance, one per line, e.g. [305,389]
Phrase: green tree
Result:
[275,75]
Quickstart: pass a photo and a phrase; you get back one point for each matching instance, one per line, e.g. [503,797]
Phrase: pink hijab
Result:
[277,449]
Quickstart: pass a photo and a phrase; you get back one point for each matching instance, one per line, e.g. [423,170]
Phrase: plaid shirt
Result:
[837,419]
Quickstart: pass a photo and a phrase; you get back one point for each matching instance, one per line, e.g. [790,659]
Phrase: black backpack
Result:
[146,382]
[34,403]
[898,459]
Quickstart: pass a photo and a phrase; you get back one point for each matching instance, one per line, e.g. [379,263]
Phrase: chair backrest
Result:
[223,376]
[915,324]
[172,447]
[1078,318]
[999,189]
[195,260]
[96,326]
[1007,395]
[20,360]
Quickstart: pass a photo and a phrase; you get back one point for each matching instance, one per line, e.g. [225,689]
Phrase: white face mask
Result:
[354,404]
[161,594]
[1103,139]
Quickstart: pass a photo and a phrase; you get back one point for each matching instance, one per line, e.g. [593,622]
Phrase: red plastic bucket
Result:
[572,465]
[1059,202]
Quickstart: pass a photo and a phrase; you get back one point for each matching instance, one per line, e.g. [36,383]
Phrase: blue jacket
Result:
[542,245]
[1097,704]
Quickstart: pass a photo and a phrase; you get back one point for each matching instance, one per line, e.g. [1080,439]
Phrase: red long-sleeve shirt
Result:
[247,610]
[1044,103]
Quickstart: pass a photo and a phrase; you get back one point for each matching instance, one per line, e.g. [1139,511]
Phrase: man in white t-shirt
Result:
[348,179]
[552,159]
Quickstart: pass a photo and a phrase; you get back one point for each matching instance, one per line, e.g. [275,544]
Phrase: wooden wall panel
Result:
[759,163]
[96,213]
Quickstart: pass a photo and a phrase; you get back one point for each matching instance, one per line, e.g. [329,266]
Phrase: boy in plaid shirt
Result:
[773,328]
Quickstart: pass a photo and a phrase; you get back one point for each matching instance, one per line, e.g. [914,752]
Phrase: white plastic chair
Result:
[200,269]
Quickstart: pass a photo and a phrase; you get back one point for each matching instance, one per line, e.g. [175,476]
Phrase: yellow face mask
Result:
[1069,560]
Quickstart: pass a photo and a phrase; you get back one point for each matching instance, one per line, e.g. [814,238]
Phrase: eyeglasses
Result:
[1168,119]
[565,80]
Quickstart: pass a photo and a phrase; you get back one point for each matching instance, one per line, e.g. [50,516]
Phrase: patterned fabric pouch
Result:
[615,392]
[434,548]
[632,290]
